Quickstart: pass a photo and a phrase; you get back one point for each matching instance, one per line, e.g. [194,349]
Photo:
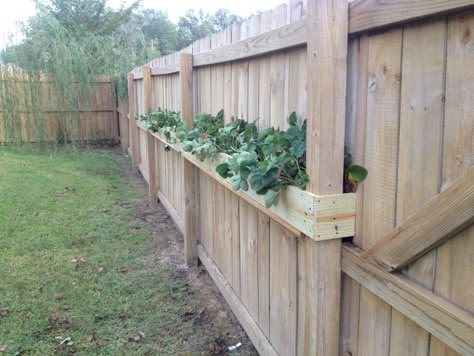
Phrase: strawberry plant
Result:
[267,161]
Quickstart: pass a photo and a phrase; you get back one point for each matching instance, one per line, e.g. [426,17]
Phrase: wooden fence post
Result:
[150,141]
[115,116]
[320,262]
[132,123]
[189,170]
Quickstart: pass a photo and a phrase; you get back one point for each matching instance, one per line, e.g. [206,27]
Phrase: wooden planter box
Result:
[323,217]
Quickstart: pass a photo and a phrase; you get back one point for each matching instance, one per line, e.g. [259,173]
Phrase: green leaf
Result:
[298,149]
[260,180]
[180,135]
[223,170]
[245,172]
[357,174]
[271,198]
[235,181]
[187,146]
[220,115]
[292,119]
[244,185]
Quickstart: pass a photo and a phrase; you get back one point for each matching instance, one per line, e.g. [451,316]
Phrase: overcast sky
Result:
[12,11]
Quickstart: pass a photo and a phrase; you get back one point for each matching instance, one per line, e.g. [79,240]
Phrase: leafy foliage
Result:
[353,174]
[195,25]
[267,161]
[78,42]
[162,121]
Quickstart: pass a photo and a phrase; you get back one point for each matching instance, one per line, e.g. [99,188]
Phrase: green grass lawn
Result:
[73,261]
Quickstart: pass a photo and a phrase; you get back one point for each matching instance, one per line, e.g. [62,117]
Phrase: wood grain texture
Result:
[258,339]
[373,14]
[356,117]
[277,74]
[437,348]
[133,126]
[320,217]
[458,139]
[283,287]
[319,288]
[407,338]
[448,213]
[177,219]
[263,260]
[264,85]
[433,313]
[350,306]
[150,141]
[454,259]
[383,100]
[374,324]
[276,40]
[189,171]
[421,122]
[248,258]
[166,69]
[455,268]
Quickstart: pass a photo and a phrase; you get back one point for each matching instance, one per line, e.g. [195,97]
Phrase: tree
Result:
[160,33]
[87,16]
[193,26]
[224,18]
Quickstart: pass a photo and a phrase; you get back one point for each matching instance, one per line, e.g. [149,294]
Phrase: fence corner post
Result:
[132,123]
[320,262]
[189,170]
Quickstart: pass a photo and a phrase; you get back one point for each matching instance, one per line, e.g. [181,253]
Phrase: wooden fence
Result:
[97,122]
[393,81]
